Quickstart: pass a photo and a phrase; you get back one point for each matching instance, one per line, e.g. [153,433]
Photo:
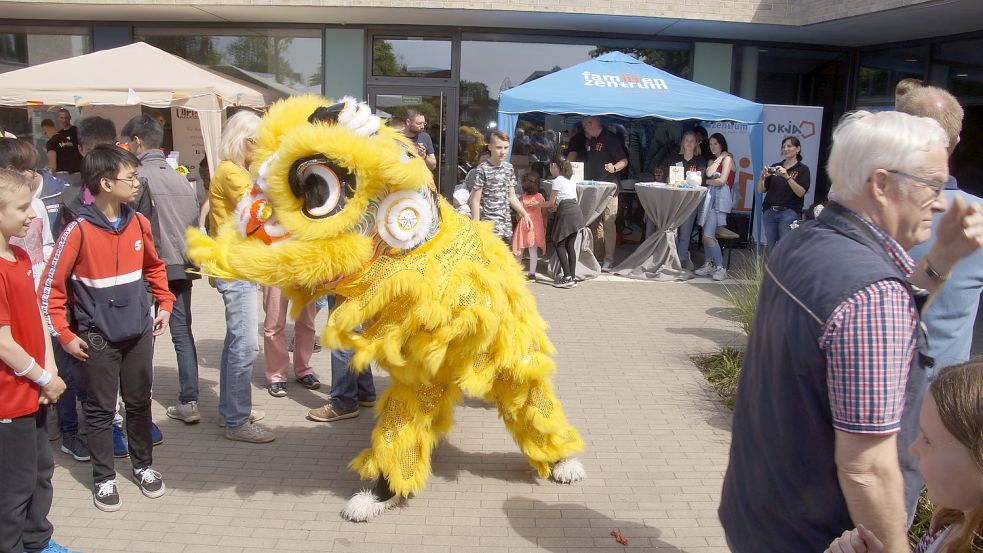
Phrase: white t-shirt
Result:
[565,188]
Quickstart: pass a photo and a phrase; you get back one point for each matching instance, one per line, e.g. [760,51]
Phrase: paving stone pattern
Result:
[657,439]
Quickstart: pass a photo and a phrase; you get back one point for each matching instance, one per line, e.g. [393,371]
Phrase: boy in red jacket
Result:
[98,269]
[29,382]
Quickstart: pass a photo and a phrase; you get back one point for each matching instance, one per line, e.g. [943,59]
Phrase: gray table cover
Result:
[667,207]
[593,197]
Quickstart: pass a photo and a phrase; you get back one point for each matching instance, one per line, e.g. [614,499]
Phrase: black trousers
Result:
[125,366]
[26,467]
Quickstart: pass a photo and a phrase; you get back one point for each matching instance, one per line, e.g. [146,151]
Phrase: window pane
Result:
[956,67]
[880,71]
[411,57]
[20,49]
[279,61]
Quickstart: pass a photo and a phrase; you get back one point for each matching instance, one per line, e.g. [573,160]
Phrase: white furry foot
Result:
[568,471]
[364,506]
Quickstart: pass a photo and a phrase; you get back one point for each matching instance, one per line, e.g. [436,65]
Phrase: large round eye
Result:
[321,184]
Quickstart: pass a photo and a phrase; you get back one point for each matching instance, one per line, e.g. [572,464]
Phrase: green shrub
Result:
[743,293]
[721,370]
[923,519]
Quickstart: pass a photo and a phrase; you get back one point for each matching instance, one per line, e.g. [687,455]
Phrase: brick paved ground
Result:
[656,447]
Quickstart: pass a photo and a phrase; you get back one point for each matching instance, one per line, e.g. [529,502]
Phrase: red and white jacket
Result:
[99,273]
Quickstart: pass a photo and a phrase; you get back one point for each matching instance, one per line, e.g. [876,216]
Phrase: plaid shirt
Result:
[869,342]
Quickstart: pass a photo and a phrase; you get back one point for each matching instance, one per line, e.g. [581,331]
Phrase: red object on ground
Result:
[619,538]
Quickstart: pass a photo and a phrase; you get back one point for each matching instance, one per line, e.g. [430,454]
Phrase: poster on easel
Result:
[188,140]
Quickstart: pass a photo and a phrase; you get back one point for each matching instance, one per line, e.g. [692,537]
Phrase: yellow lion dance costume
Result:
[341,205]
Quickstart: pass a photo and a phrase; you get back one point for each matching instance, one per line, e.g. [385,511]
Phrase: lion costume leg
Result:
[411,422]
[534,416]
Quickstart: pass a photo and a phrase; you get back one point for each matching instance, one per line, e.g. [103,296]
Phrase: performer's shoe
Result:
[367,504]
[568,471]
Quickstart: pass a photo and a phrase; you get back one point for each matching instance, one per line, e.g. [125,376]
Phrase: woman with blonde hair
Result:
[949,450]
[229,183]
[691,159]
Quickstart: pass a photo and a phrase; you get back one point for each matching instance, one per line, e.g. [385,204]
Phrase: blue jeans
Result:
[346,387]
[777,224]
[682,236]
[239,350]
[68,367]
[712,251]
[184,340]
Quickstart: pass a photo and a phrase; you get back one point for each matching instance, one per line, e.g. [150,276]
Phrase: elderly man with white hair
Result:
[833,354]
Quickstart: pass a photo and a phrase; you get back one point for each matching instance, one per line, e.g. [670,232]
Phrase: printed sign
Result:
[802,122]
[188,141]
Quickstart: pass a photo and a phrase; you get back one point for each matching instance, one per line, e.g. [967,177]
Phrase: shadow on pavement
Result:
[560,527]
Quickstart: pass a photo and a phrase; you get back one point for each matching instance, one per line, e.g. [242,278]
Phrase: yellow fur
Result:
[452,316]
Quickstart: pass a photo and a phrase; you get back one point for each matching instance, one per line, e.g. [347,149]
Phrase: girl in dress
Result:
[949,451]
[530,239]
[568,222]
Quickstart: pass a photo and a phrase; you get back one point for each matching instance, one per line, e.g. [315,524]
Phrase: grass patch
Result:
[721,370]
[923,519]
[743,293]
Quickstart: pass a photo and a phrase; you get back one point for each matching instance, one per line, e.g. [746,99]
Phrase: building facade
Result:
[451,58]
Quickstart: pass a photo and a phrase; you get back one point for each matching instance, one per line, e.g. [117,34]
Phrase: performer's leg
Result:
[535,418]
[411,422]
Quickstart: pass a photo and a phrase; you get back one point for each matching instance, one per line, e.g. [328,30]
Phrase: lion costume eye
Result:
[321,184]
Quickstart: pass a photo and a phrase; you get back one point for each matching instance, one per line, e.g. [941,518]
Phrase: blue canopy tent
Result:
[618,84]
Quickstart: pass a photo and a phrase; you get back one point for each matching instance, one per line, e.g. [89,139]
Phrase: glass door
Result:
[438,105]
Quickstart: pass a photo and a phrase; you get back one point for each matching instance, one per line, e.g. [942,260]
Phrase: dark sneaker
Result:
[277,389]
[531,277]
[331,413]
[310,382]
[317,345]
[105,495]
[150,482]
[366,401]
[155,435]
[72,445]
[120,449]
[565,282]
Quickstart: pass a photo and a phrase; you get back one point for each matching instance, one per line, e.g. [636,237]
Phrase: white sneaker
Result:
[706,270]
[606,267]
[720,274]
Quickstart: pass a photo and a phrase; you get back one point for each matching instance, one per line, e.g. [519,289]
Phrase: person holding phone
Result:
[784,185]
[416,122]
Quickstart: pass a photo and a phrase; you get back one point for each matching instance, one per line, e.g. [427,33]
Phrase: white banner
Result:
[802,122]
[738,137]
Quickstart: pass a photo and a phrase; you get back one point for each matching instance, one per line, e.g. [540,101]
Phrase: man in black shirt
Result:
[605,159]
[63,147]
[577,146]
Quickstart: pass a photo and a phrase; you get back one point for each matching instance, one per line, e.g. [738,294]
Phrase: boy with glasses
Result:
[98,268]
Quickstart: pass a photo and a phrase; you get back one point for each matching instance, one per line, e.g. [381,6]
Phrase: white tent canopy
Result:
[136,74]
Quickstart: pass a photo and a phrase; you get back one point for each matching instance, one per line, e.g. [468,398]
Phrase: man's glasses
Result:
[129,180]
[936,186]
